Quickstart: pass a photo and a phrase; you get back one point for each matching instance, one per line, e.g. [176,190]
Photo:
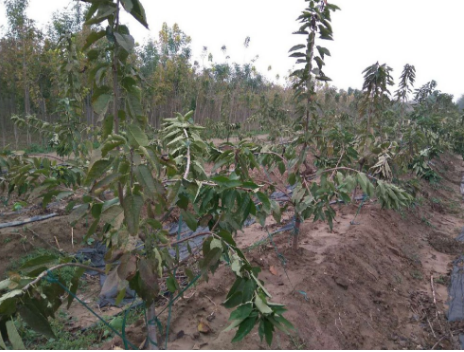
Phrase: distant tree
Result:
[425,91]
[407,79]
[377,78]
[460,102]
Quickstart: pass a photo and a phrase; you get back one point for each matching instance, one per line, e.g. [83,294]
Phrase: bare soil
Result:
[364,286]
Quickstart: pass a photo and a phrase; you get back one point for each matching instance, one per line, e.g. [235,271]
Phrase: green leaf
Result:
[135,8]
[13,336]
[2,343]
[134,105]
[42,260]
[210,260]
[171,284]
[107,180]
[227,182]
[5,284]
[78,214]
[242,312]
[92,38]
[233,300]
[113,215]
[9,295]
[145,178]
[107,126]
[244,329]
[190,220]
[120,296]
[292,179]
[323,51]
[236,267]
[262,306]
[101,102]
[277,308]
[35,319]
[128,5]
[268,330]
[227,237]
[265,201]
[97,170]
[105,10]
[132,206]
[276,212]
[298,55]
[110,145]
[137,138]
[297,47]
[75,285]
[281,323]
[62,195]
[248,290]
[126,41]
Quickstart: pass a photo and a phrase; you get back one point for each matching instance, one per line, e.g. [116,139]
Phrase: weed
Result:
[90,338]
[64,340]
[438,185]
[23,240]
[90,241]
[442,280]
[427,222]
[6,240]
[36,148]
[4,200]
[66,274]
[297,342]
[417,275]
[19,205]
[454,207]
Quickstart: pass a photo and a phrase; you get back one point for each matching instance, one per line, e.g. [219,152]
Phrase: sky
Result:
[424,33]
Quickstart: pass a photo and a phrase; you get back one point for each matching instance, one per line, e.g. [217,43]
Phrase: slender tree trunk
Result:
[196,107]
[27,99]
[2,118]
[3,130]
[152,340]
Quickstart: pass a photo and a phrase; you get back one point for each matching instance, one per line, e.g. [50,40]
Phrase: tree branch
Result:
[187,169]
[348,169]
[190,237]
[45,273]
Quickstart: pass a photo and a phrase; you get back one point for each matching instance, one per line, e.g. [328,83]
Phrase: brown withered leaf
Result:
[273,270]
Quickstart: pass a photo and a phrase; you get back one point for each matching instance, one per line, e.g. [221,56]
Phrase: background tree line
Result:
[45,75]
[41,68]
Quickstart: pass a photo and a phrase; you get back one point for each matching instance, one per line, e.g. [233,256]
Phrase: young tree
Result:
[147,186]
[407,79]
[377,78]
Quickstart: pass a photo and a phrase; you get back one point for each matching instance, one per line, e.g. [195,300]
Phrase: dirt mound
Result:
[445,244]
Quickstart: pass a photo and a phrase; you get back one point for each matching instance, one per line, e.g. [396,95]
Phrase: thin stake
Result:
[57,243]
[433,290]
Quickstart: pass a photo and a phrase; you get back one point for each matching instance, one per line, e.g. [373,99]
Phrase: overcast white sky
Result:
[425,33]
